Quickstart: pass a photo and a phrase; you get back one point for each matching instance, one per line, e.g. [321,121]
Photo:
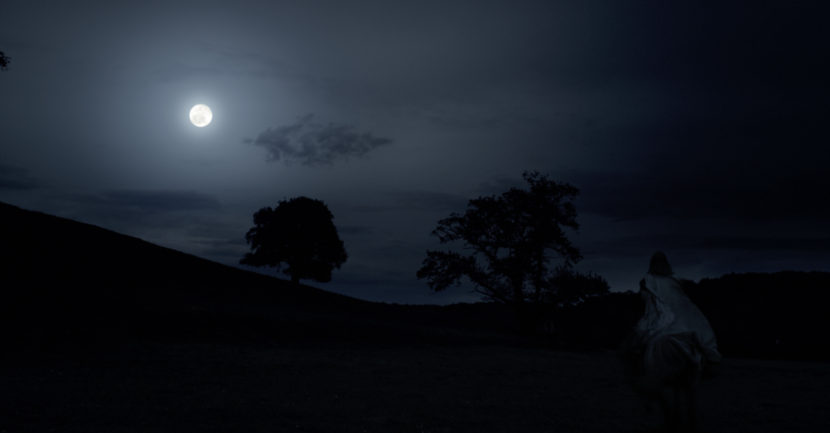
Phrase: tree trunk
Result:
[518,290]
[523,311]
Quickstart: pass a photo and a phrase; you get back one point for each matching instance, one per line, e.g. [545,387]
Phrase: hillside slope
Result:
[51,253]
[56,273]
[70,278]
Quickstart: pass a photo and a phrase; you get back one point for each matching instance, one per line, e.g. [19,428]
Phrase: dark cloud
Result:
[313,143]
[808,244]
[16,178]
[683,194]
[355,230]
[431,200]
[154,201]
[221,249]
[138,210]
[680,241]
[185,220]
[416,200]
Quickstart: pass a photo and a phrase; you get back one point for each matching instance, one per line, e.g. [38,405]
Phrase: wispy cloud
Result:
[714,192]
[17,178]
[129,209]
[355,230]
[154,201]
[414,200]
[186,220]
[313,143]
[690,241]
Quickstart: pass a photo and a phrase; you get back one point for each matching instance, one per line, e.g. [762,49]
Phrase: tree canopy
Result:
[299,233]
[506,245]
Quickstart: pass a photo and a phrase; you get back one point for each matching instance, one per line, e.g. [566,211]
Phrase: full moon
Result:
[200,115]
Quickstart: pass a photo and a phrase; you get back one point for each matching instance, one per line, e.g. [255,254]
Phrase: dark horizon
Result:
[695,130]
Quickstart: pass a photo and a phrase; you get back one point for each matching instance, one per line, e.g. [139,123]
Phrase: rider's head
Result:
[659,265]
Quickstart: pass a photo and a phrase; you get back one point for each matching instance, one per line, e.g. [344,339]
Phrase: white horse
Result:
[667,371]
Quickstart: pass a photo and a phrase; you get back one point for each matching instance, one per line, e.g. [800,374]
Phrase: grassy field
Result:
[327,386]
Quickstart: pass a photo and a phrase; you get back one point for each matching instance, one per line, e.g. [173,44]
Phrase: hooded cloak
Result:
[668,311]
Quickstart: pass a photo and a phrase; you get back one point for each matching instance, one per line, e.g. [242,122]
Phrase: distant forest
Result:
[781,315]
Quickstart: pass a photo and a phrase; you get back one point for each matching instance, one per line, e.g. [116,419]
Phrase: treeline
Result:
[780,315]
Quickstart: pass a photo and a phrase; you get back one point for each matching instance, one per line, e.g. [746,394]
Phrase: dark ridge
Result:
[63,278]
[781,315]
[52,255]
[63,281]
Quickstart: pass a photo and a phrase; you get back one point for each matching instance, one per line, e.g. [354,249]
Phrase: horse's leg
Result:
[691,407]
[668,402]
[684,416]
[681,408]
[691,397]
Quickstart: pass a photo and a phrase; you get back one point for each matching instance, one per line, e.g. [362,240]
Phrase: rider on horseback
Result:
[669,312]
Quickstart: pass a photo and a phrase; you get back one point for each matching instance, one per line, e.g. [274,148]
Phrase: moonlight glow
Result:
[200,115]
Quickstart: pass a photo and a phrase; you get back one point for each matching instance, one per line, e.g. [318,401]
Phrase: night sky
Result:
[697,128]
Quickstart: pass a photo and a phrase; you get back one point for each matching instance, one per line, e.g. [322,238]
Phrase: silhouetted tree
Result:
[299,233]
[508,242]
[4,61]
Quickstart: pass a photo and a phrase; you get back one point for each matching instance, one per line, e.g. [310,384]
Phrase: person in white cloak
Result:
[671,348]
[669,312]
